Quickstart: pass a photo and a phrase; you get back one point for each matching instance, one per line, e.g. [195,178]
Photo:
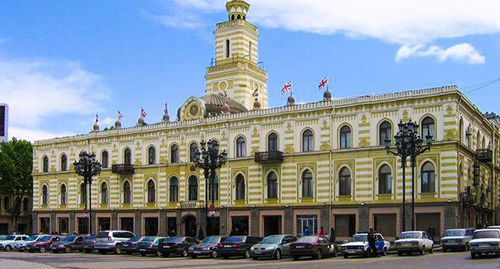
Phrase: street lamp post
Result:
[87,167]
[408,144]
[209,159]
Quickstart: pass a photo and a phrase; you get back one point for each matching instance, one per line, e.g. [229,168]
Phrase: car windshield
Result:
[307,239]
[411,235]
[90,238]
[273,239]
[211,240]
[7,237]
[454,233]
[102,235]
[235,239]
[174,240]
[68,239]
[148,239]
[359,238]
[135,239]
[45,238]
[486,234]
[32,238]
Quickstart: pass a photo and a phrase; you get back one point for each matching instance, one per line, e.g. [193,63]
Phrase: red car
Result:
[42,244]
[311,246]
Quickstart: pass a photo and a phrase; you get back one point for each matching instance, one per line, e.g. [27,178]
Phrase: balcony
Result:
[484,155]
[189,204]
[269,157]
[122,169]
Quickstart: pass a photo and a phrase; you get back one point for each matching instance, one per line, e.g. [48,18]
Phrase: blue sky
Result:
[63,62]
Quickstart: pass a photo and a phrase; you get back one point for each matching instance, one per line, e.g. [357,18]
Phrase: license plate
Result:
[166,246]
[351,251]
[484,245]
[142,250]
[300,246]
[258,252]
[227,246]
[196,252]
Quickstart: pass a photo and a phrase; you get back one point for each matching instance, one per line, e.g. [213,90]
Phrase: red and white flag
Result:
[120,115]
[143,113]
[287,87]
[323,83]
[255,93]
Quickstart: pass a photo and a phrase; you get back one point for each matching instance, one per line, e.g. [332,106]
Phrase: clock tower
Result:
[236,72]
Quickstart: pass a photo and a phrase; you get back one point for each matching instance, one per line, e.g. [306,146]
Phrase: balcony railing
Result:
[122,169]
[269,157]
[189,204]
[484,155]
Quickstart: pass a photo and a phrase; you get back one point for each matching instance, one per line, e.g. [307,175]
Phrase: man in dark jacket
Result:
[371,243]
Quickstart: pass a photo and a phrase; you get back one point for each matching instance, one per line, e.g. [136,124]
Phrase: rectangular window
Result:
[83,225]
[307,225]
[240,225]
[45,225]
[228,48]
[172,226]
[63,225]
[127,224]
[104,224]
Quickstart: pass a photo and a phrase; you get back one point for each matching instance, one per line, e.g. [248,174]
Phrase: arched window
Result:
[461,130]
[240,187]
[478,140]
[127,156]
[6,202]
[151,191]
[26,204]
[272,142]
[45,196]
[213,189]
[272,186]
[45,164]
[151,155]
[345,137]
[232,17]
[174,153]
[384,180]
[345,182]
[483,143]
[174,189]
[239,17]
[83,193]
[428,128]
[104,193]
[228,48]
[241,147]
[126,192]
[193,148]
[104,159]
[64,163]
[193,188]
[428,178]
[63,194]
[384,133]
[307,141]
[307,184]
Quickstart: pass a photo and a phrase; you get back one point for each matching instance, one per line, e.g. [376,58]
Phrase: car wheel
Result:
[346,256]
[185,253]
[143,254]
[214,254]
[473,255]
[422,250]
[295,258]
[247,254]
[445,249]
[87,251]
[67,249]
[118,251]
[42,250]
[194,256]
[318,254]
[400,253]
[165,254]
[102,252]
[8,248]
[384,252]
[432,249]
[225,257]
[277,255]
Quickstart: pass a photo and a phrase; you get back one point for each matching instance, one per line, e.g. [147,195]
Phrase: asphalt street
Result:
[439,260]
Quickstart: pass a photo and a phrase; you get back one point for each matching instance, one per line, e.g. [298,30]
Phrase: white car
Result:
[21,245]
[485,241]
[456,239]
[358,246]
[7,242]
[493,227]
[414,241]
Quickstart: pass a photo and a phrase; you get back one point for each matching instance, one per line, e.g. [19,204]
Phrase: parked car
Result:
[129,246]
[414,241]
[42,244]
[456,239]
[273,246]
[311,246]
[21,245]
[68,244]
[237,245]
[8,242]
[176,245]
[149,245]
[88,243]
[358,246]
[207,247]
[485,241]
[106,240]
[493,227]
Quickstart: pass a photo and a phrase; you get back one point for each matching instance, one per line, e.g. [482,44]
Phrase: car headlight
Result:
[269,248]
[191,248]
[252,248]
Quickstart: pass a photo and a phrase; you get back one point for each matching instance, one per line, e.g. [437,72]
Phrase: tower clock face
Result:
[193,110]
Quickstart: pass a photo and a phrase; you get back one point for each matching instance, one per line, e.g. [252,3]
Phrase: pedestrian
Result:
[333,236]
[371,243]
[307,231]
[321,231]
[431,232]
[200,234]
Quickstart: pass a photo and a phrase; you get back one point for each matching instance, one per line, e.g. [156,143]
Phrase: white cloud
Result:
[33,134]
[463,52]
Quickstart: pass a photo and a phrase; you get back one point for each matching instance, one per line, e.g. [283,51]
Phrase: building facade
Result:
[320,164]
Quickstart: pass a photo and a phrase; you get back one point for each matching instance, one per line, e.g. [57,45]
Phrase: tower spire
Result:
[237,9]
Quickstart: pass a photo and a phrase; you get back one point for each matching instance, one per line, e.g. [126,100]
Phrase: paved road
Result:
[80,261]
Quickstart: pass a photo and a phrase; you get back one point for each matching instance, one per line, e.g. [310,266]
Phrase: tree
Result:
[16,181]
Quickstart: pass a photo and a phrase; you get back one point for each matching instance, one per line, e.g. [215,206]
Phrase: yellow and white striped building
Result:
[315,164]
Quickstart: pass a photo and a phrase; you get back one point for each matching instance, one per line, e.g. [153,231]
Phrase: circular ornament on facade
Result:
[223,85]
[194,110]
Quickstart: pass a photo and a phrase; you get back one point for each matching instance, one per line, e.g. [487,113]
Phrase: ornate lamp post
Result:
[408,144]
[209,159]
[87,167]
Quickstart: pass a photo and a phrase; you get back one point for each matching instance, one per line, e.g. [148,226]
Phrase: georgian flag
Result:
[143,113]
[323,83]
[287,87]
[256,93]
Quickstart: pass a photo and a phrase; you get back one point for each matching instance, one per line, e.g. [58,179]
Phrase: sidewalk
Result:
[9,264]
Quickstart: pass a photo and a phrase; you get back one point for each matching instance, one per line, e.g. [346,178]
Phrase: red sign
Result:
[211,209]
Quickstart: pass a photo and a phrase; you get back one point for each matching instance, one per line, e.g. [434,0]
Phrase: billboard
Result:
[4,112]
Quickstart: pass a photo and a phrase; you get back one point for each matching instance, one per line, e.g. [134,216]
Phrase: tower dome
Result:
[237,9]
[257,105]
[291,100]
[118,124]
[327,96]
[141,122]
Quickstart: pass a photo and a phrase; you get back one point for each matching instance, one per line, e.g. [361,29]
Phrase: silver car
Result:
[273,246]
[106,240]
[456,239]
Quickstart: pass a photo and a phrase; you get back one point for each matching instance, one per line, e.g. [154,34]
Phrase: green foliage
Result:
[16,165]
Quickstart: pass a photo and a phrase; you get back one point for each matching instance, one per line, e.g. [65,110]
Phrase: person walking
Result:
[431,232]
[333,236]
[321,231]
[307,231]
[371,243]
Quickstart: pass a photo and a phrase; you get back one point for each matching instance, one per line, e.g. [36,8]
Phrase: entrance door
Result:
[83,225]
[272,225]
[385,224]
[190,226]
[151,226]
[345,225]
[213,226]
[239,225]
[127,224]
[45,225]
[172,226]
[307,224]
[431,223]
[104,224]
